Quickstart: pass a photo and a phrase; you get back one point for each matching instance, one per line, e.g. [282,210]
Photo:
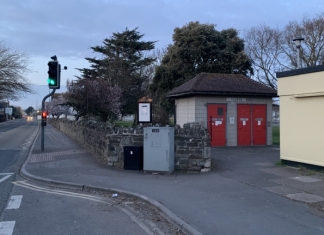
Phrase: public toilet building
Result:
[235,109]
[301,93]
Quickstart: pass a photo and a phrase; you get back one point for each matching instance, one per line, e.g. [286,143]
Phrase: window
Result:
[220,111]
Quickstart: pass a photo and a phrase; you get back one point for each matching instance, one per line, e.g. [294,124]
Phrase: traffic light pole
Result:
[43,109]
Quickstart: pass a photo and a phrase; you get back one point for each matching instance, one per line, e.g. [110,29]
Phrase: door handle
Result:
[210,128]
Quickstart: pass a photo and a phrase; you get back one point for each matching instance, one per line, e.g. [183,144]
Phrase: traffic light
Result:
[44,117]
[44,114]
[54,75]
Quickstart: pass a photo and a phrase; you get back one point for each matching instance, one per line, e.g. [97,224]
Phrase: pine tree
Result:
[122,63]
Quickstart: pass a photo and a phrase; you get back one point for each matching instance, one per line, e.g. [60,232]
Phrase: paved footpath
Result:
[246,193]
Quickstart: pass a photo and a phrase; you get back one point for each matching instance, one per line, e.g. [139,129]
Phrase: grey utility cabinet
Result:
[159,149]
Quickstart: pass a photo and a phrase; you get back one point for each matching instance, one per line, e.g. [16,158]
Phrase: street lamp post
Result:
[297,42]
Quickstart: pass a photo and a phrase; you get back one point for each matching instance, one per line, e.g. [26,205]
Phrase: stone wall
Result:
[192,148]
[107,141]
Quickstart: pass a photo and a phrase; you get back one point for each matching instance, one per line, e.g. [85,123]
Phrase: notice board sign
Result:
[145,112]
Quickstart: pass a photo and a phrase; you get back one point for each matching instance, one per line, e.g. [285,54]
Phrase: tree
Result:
[30,110]
[263,46]
[160,116]
[149,71]
[16,111]
[94,97]
[312,50]
[13,69]
[123,64]
[273,50]
[199,48]
[58,106]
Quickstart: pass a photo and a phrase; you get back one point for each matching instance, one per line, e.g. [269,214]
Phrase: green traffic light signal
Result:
[51,81]
[54,69]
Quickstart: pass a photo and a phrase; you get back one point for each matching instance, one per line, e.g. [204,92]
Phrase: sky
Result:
[68,28]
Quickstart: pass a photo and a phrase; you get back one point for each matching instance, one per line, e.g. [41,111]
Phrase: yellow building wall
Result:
[302,118]
[304,84]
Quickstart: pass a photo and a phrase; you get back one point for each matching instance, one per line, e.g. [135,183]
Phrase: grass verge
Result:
[124,123]
[276,135]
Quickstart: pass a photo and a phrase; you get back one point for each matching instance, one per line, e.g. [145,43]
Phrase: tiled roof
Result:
[222,84]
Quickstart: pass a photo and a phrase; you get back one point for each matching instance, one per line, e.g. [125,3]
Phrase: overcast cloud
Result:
[68,28]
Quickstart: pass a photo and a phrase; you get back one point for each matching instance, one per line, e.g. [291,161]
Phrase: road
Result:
[15,139]
[27,208]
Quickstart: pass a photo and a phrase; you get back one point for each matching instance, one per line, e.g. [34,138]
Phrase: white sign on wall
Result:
[236,99]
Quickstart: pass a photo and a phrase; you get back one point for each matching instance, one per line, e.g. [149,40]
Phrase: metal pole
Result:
[43,109]
[299,58]
[297,42]
[175,116]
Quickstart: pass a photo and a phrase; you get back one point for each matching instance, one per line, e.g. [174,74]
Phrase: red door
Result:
[259,124]
[243,124]
[217,124]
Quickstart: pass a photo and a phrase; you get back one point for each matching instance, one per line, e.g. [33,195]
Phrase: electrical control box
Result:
[159,149]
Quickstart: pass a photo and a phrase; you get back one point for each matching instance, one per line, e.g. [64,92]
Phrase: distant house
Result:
[236,109]
[301,93]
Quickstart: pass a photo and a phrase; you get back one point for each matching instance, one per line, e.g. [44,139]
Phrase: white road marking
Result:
[87,197]
[6,173]
[14,202]
[3,179]
[7,227]
[64,193]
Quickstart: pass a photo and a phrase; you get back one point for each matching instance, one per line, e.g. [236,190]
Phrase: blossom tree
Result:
[90,96]
[58,106]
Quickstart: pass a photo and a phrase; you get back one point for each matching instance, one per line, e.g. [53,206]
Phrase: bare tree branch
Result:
[13,68]
[273,50]
[261,45]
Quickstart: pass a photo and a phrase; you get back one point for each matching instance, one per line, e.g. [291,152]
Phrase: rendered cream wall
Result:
[302,118]
[301,84]
[185,110]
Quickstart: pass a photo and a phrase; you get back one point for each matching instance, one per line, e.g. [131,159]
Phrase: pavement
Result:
[247,192]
